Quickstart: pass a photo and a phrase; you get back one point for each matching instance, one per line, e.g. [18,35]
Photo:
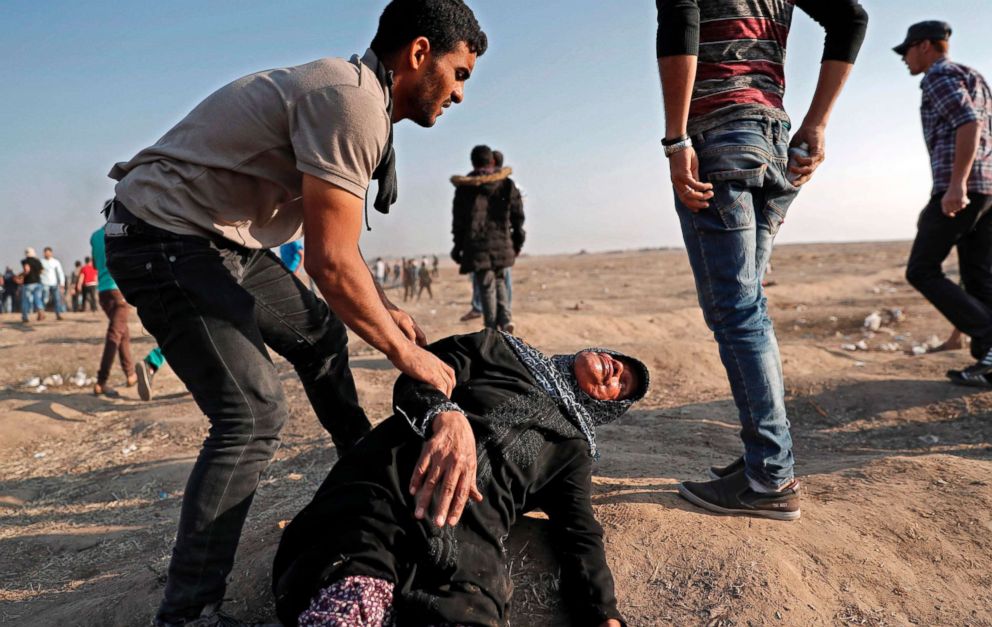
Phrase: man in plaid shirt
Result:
[957,126]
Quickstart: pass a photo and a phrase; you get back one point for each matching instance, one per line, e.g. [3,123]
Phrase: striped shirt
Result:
[954,95]
[741,44]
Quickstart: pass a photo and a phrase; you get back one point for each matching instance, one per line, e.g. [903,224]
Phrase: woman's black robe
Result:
[530,456]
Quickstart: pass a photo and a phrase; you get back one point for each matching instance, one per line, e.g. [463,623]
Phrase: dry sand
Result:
[897,503]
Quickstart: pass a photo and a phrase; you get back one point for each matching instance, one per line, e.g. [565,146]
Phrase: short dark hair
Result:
[482,156]
[443,22]
[498,158]
[48,249]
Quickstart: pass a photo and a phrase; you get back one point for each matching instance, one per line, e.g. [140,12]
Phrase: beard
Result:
[426,99]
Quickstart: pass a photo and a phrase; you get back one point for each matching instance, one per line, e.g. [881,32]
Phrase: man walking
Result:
[32,291]
[53,278]
[117,340]
[957,126]
[87,284]
[268,158]
[727,141]
[487,228]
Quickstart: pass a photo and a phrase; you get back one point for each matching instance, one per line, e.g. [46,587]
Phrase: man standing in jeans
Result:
[727,141]
[269,158]
[957,126]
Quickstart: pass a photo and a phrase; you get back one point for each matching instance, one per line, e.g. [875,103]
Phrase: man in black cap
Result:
[957,125]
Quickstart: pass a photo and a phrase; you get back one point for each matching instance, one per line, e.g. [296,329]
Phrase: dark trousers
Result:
[967,306]
[118,340]
[492,292]
[89,297]
[213,308]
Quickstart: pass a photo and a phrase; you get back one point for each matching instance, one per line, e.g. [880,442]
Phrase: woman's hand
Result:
[446,469]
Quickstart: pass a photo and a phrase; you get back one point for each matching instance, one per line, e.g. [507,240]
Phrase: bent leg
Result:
[205,324]
[300,327]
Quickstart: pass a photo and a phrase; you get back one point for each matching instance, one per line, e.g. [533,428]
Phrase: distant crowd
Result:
[42,285]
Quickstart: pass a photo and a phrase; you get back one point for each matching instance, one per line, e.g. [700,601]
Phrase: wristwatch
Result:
[678,144]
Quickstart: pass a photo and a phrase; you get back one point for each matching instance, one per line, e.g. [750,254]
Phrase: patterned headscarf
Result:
[556,375]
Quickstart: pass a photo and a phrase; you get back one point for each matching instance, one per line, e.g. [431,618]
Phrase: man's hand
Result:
[611,623]
[684,166]
[408,326]
[446,468]
[955,199]
[424,366]
[813,137]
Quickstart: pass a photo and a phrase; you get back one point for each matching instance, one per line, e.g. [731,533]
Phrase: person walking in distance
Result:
[32,291]
[264,160]
[957,125]
[87,284]
[728,141]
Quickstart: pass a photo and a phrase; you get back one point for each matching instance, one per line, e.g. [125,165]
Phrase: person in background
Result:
[957,125]
[424,277]
[32,291]
[475,311]
[117,341]
[727,140]
[409,278]
[87,284]
[487,230]
[291,255]
[9,302]
[75,294]
[53,278]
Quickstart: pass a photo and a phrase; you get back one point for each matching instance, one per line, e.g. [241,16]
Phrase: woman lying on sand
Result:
[357,555]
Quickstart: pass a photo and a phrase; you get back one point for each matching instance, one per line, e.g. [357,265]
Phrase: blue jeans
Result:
[53,293]
[729,245]
[32,296]
[477,297]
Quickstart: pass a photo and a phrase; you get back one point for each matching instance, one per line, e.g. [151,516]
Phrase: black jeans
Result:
[967,306]
[213,307]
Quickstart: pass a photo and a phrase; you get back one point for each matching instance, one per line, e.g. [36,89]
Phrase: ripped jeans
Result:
[213,308]
[729,246]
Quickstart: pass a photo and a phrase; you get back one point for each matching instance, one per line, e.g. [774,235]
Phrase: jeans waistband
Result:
[122,223]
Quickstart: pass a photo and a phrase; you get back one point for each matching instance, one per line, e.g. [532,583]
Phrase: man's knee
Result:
[918,274]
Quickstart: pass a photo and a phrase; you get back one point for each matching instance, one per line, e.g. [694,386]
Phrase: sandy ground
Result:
[897,503]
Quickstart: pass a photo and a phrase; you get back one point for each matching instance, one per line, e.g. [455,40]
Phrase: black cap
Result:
[933,30]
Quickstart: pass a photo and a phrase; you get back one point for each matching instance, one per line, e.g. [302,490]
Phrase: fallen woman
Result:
[366,552]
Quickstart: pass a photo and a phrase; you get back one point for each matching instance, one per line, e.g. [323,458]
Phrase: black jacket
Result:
[530,456]
[487,221]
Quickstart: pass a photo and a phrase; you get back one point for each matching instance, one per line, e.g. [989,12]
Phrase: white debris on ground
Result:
[56,380]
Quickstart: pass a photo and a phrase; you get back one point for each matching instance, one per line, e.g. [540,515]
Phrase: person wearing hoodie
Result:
[957,125]
[488,233]
[367,546]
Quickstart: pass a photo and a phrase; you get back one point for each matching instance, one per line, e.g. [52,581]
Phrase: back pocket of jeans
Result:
[732,197]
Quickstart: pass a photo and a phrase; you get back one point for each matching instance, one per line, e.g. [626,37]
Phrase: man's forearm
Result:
[678,75]
[833,75]
[965,147]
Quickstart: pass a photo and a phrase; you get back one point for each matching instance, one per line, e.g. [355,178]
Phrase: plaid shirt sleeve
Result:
[951,100]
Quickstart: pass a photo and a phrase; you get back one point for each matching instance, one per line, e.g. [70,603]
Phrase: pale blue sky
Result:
[568,90]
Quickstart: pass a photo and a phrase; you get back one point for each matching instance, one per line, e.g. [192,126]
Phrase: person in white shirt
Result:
[53,278]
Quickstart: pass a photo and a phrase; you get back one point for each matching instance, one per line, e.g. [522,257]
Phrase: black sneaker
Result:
[145,378]
[719,472]
[733,495]
[970,378]
[981,367]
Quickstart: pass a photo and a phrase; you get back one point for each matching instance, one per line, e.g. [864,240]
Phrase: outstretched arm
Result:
[587,582]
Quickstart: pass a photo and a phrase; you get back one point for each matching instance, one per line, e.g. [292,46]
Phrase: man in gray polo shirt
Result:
[265,159]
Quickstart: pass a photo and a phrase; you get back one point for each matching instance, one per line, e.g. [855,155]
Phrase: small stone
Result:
[929,439]
[294,476]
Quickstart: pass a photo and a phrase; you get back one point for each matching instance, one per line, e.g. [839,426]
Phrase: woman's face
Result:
[604,377]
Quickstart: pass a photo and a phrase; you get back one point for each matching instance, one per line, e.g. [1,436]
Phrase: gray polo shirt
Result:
[234,166]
